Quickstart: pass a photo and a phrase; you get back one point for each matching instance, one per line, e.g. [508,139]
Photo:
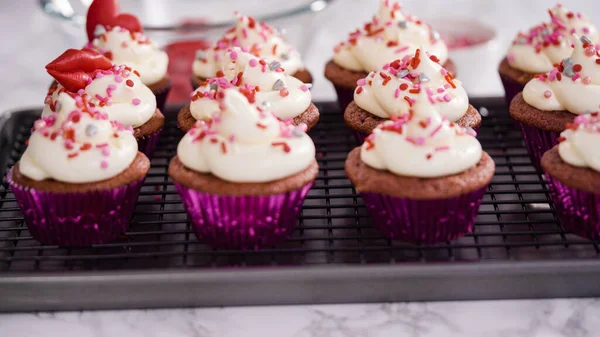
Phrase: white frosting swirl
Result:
[544,45]
[242,144]
[390,35]
[573,86]
[78,144]
[257,38]
[421,144]
[396,88]
[134,50]
[580,142]
[119,92]
[287,96]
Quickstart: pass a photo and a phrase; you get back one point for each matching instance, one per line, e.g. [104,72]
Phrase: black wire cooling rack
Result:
[517,248]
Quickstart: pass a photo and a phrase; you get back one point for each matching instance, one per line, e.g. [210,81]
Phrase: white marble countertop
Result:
[31,39]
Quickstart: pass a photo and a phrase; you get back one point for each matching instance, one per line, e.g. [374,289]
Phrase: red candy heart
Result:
[74,68]
[106,13]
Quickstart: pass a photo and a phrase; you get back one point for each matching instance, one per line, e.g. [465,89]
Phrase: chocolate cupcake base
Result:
[363,122]
[310,117]
[575,192]
[344,80]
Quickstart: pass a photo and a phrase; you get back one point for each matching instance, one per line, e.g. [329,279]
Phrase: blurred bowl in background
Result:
[183,26]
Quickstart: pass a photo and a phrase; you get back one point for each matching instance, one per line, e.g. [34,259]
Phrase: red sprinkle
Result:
[284,92]
[286,147]
[403,86]
[220,73]
[85,147]
[73,155]
[428,156]
[359,90]
[223,147]
[577,68]
[129,83]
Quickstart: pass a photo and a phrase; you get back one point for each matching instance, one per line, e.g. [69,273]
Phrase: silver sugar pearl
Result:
[435,35]
[265,105]
[484,112]
[587,112]
[285,57]
[403,24]
[278,85]
[423,77]
[214,86]
[99,30]
[200,54]
[521,40]
[402,73]
[297,132]
[567,62]
[585,39]
[274,65]
[569,72]
[91,130]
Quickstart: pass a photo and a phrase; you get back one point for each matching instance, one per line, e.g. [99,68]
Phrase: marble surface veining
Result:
[540,318]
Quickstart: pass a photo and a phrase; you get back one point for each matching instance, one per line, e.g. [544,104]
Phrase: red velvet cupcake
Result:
[395,88]
[79,177]
[537,50]
[390,35]
[120,37]
[264,83]
[118,90]
[258,38]
[243,174]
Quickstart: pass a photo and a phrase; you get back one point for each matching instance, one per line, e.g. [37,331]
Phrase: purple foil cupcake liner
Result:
[161,98]
[147,144]
[424,221]
[511,88]
[76,219]
[242,222]
[345,96]
[538,141]
[577,211]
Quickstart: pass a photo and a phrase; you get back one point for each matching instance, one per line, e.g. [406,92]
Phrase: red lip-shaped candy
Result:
[106,13]
[74,68]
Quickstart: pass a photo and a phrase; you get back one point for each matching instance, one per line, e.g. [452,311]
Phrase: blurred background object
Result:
[36,31]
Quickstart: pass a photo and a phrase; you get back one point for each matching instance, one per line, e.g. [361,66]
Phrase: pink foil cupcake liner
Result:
[511,88]
[345,96]
[577,211]
[424,221]
[76,219]
[147,144]
[242,222]
[538,141]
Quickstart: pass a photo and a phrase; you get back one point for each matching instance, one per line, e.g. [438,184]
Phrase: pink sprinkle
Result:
[304,87]
[590,51]
[397,93]
[244,33]
[446,86]
[587,80]
[436,130]
[233,55]
[386,66]
[442,148]
[99,75]
[104,164]
[576,77]
[510,58]
[401,50]
[118,79]
[111,87]
[136,101]
[80,92]
[253,63]
[441,90]
[447,98]
[429,91]
[586,30]
[361,82]
[105,152]
[547,94]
